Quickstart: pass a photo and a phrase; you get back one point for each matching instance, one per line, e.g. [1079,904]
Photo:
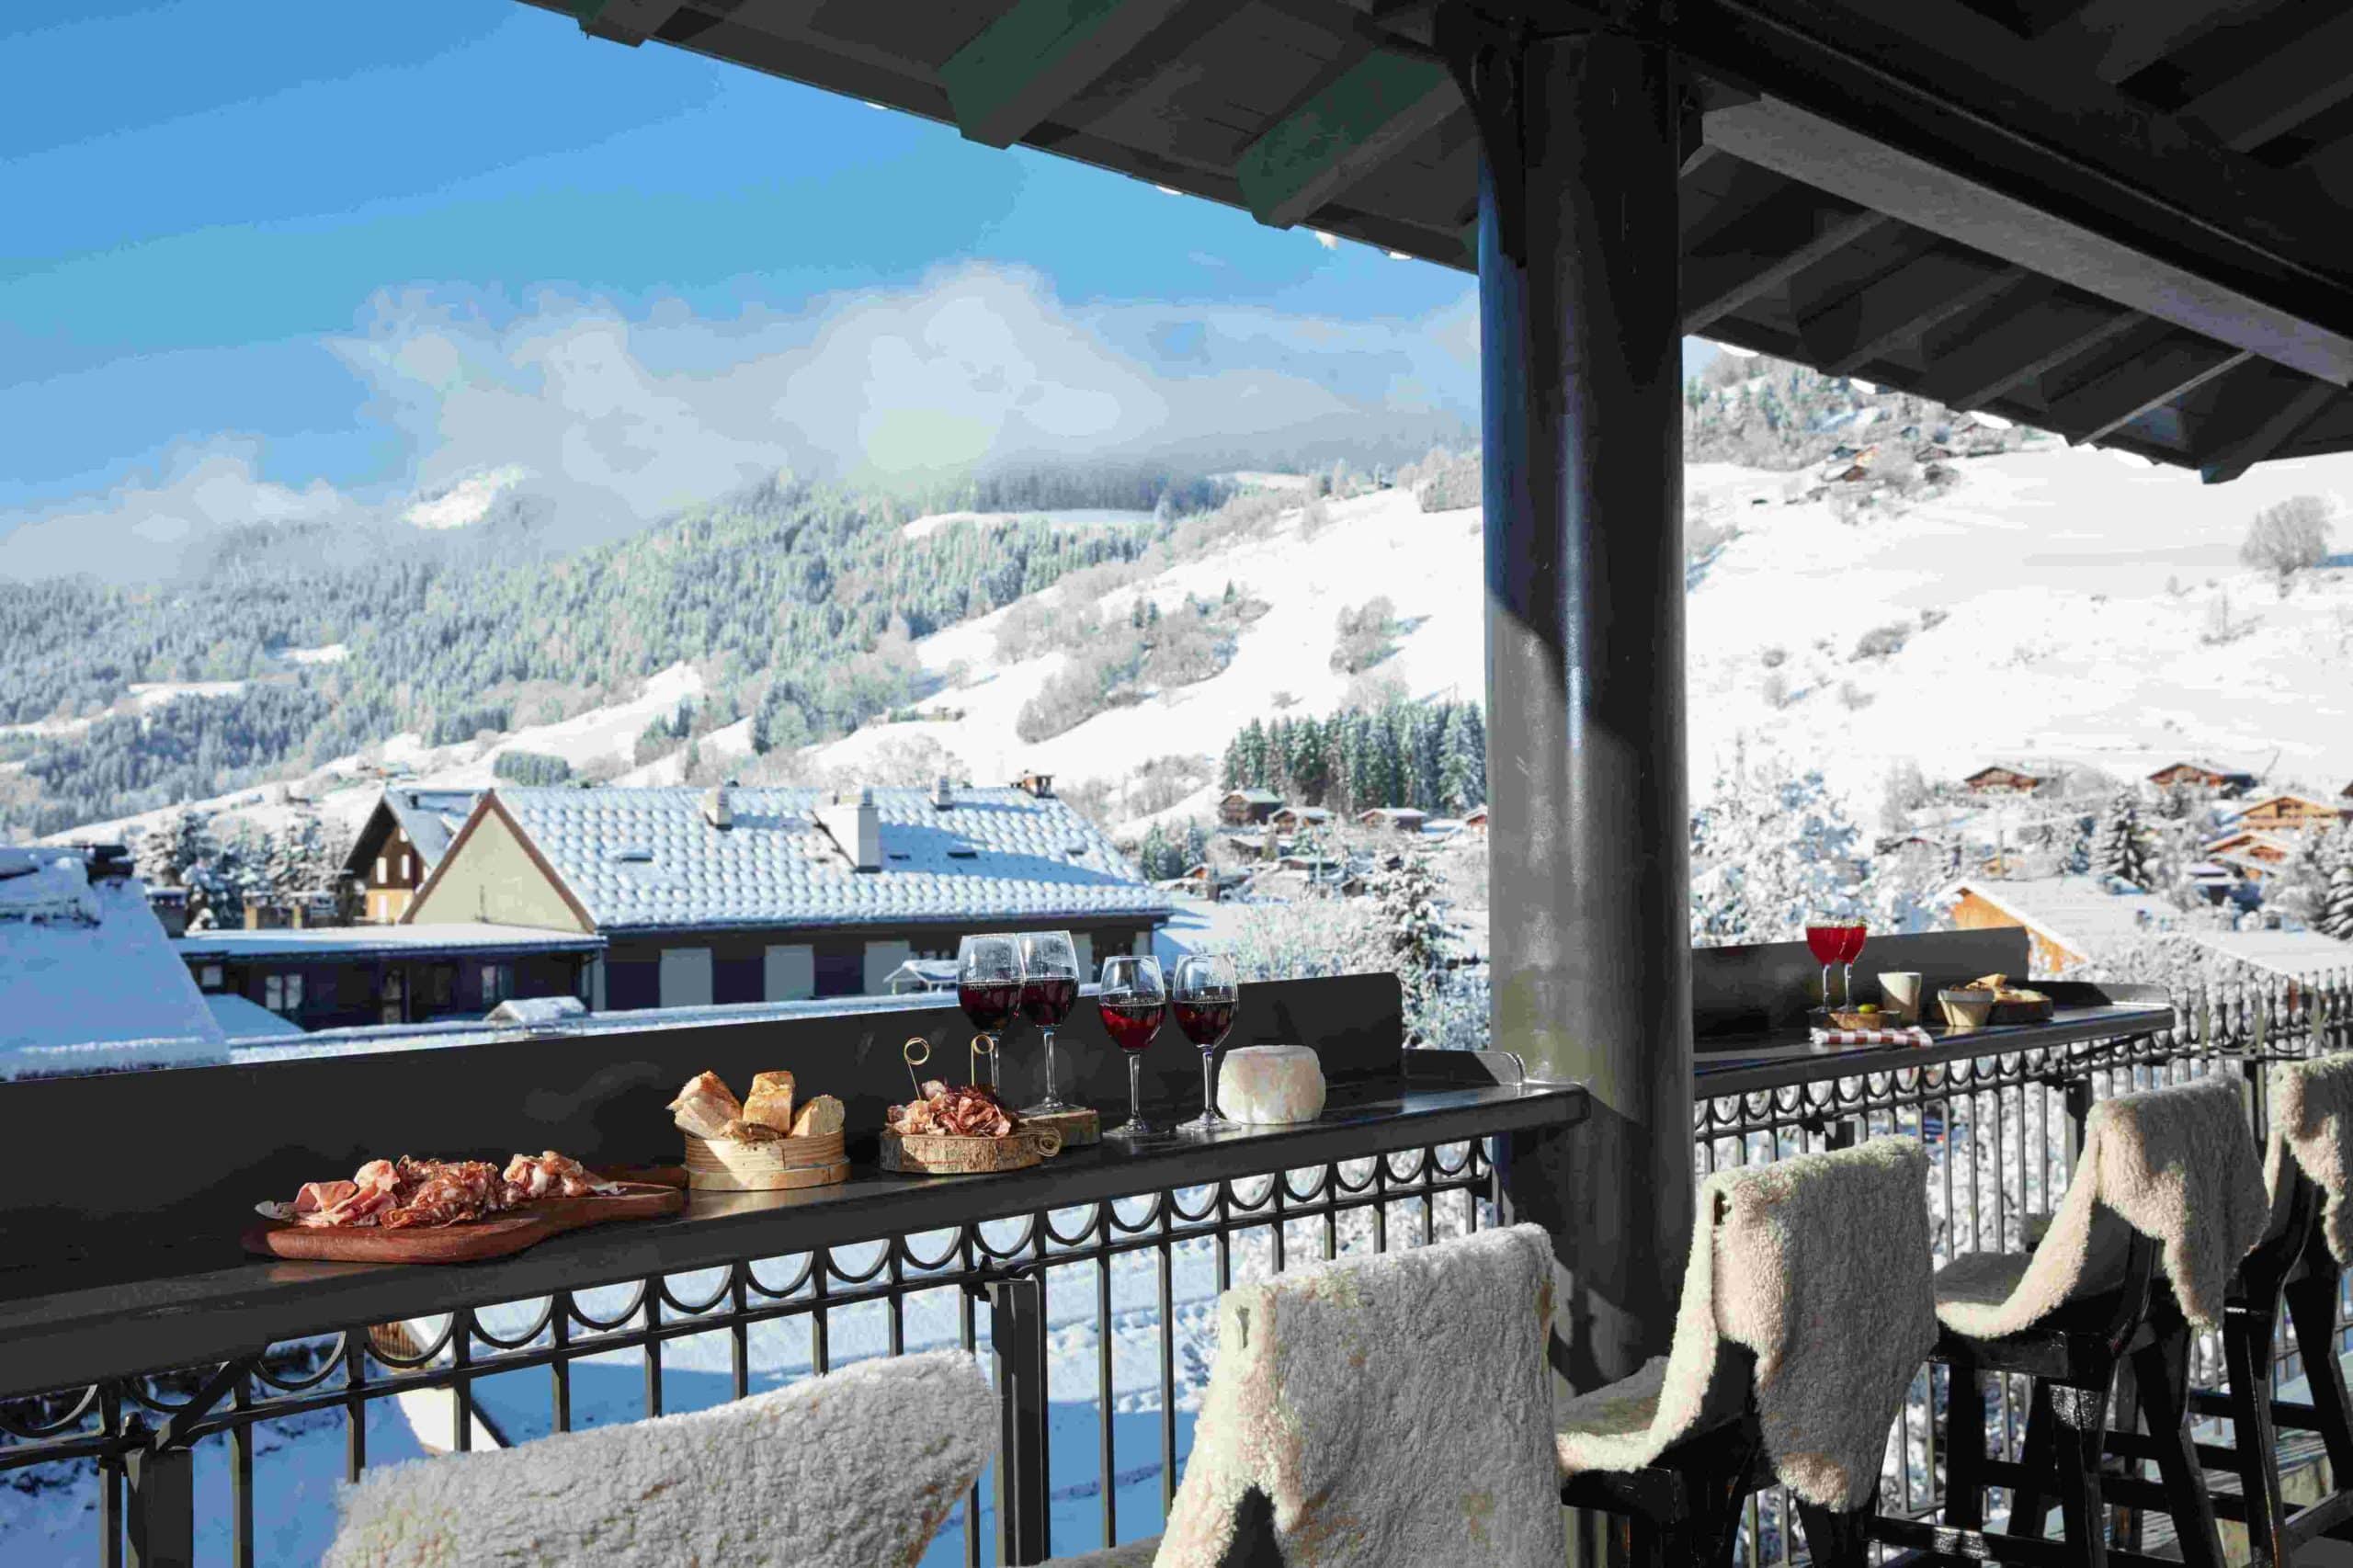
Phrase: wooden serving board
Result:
[936,1153]
[471,1243]
[2022,1012]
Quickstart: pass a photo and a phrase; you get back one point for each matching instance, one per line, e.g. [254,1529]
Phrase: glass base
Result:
[1203,1125]
[1050,1106]
[1135,1131]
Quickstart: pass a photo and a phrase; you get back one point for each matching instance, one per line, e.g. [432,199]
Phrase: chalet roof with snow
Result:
[2087,916]
[2003,776]
[627,859]
[87,981]
[429,818]
[2286,808]
[2295,954]
[2197,771]
[1255,797]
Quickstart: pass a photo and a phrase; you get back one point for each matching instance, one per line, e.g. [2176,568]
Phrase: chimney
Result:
[1041,785]
[857,829]
[943,793]
[717,810]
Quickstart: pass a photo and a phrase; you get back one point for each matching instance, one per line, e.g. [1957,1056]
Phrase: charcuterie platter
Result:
[410,1211]
[963,1131]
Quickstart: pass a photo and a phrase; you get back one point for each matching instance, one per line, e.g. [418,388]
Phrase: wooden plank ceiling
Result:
[2123,220]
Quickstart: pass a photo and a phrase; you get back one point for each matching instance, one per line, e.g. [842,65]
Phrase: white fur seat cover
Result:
[1820,1266]
[855,1470]
[2176,1165]
[2312,1126]
[1394,1409]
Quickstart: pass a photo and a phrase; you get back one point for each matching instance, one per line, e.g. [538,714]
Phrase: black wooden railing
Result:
[207,1407]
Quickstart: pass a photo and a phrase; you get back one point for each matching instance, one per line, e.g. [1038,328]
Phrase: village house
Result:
[2202,776]
[733,896]
[1292,819]
[355,976]
[1397,819]
[1476,817]
[2069,921]
[1248,808]
[2253,853]
[2287,812]
[1999,779]
[397,848]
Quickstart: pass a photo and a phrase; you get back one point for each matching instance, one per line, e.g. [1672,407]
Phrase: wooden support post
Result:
[162,1513]
[1018,1334]
[1589,842]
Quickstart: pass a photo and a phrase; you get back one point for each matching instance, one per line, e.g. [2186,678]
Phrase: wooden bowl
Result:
[1877,1019]
[780,1164]
[938,1154]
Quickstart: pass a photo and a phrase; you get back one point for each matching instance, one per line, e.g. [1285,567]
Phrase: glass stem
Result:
[1208,1086]
[1825,987]
[1846,978]
[1050,1096]
[1135,1086]
[996,1049]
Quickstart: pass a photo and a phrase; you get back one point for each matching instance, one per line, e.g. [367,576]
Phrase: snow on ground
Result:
[2082,604]
[603,734]
[730,742]
[1064,518]
[330,653]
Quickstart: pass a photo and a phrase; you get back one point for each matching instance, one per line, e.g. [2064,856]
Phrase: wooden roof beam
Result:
[2120,39]
[1924,293]
[1038,56]
[629,22]
[1354,124]
[2178,366]
[2305,78]
[2083,187]
[2270,424]
[1760,254]
[2001,361]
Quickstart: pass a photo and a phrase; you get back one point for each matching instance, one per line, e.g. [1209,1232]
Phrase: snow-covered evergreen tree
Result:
[167,853]
[2336,915]
[1413,939]
[1462,768]
[2123,850]
[1770,849]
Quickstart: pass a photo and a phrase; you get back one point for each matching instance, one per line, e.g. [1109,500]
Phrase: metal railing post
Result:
[1018,1334]
[161,1512]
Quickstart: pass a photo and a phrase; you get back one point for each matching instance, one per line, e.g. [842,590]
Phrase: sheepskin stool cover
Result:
[855,1470]
[1393,1410]
[2312,1124]
[2178,1166]
[1820,1264]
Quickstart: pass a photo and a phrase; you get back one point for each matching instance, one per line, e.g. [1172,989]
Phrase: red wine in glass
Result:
[1045,1001]
[1048,991]
[1205,1023]
[989,1004]
[1133,1000]
[1131,1024]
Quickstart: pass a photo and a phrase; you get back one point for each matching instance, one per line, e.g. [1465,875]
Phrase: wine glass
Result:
[1825,938]
[988,986]
[1133,999]
[1202,993]
[1852,934]
[1048,991]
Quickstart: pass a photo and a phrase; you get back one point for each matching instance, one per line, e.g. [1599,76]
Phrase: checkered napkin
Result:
[1914,1035]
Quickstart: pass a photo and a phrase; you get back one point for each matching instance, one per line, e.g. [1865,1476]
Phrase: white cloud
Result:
[616,418]
[146,525]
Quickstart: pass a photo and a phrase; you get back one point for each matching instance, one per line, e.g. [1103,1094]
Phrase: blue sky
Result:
[268,246]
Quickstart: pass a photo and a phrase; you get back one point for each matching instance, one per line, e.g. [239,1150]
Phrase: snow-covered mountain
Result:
[2049,605]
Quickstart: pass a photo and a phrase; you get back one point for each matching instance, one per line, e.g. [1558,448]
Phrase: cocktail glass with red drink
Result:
[1132,1000]
[988,987]
[1825,938]
[1048,991]
[1853,934]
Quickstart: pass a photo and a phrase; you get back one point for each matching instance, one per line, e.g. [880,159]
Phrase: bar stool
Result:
[1373,1411]
[2165,1199]
[2299,1263]
[1807,1309]
[855,1467]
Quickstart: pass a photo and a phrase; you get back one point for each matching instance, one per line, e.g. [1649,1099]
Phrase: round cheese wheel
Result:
[1271,1084]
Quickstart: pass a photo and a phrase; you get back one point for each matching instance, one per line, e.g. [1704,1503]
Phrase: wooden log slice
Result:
[935,1153]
